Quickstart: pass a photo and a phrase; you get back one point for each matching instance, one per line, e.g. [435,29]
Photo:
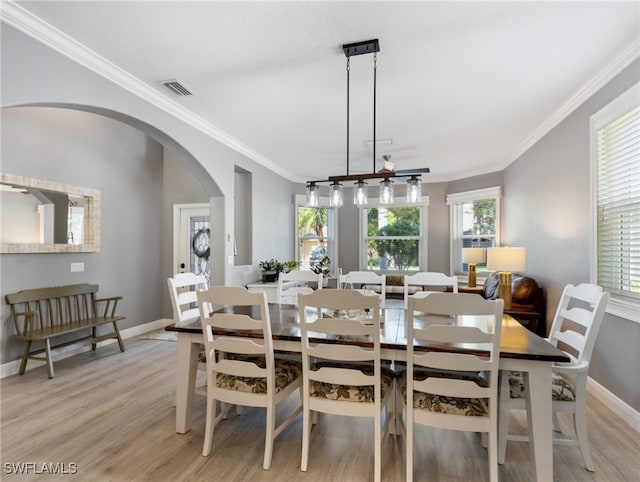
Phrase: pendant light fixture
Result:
[360,187]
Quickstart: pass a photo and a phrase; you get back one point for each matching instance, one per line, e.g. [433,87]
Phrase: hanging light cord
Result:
[375,58]
[348,70]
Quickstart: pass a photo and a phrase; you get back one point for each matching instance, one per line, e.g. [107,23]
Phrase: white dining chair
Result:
[183,289]
[574,329]
[343,379]
[302,277]
[457,391]
[184,301]
[430,279]
[242,370]
[365,280]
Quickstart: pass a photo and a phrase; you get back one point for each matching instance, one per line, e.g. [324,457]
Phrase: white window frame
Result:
[424,230]
[617,306]
[332,228]
[453,200]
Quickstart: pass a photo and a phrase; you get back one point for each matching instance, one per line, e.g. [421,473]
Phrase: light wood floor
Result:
[111,414]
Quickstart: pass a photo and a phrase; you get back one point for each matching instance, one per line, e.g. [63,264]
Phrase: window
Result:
[475,223]
[393,237]
[316,233]
[615,174]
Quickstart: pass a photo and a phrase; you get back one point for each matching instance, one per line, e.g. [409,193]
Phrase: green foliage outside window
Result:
[393,238]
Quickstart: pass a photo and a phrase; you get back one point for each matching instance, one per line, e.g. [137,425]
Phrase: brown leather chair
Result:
[527,300]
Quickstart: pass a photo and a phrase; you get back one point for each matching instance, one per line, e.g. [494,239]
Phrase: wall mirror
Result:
[39,216]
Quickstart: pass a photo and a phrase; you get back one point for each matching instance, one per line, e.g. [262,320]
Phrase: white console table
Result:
[271,289]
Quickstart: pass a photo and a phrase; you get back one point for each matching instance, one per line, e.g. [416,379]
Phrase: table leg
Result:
[539,417]
[186,370]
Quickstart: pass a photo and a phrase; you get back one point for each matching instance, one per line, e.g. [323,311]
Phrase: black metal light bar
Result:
[377,175]
[360,48]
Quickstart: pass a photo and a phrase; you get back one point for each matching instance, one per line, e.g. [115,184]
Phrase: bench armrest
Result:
[111,301]
[27,325]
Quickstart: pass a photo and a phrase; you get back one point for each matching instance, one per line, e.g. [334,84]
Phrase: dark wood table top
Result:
[516,340]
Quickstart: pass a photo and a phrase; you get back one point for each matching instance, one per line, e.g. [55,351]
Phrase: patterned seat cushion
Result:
[287,371]
[561,390]
[472,407]
[350,393]
[202,353]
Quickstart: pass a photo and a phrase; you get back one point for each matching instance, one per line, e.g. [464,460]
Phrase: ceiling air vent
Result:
[176,87]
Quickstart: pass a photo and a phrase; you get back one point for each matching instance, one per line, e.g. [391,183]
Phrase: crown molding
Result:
[28,23]
[622,61]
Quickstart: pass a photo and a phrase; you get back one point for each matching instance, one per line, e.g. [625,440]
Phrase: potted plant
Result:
[290,265]
[322,266]
[270,270]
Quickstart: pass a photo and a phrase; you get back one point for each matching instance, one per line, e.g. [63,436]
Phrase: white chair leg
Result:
[409,447]
[503,419]
[377,462]
[209,426]
[306,435]
[269,436]
[493,456]
[580,426]
[556,423]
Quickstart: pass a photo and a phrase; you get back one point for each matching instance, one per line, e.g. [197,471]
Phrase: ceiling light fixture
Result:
[414,194]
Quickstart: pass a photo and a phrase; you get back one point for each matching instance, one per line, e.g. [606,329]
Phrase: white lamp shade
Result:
[473,255]
[506,259]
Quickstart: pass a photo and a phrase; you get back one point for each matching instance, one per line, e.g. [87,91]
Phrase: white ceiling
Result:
[463,87]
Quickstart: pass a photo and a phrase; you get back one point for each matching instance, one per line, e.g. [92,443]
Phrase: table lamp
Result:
[472,256]
[506,260]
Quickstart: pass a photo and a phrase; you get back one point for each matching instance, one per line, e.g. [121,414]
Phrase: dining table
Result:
[520,350]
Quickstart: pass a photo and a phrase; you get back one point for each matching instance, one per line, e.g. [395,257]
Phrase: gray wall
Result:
[546,210]
[179,186]
[95,152]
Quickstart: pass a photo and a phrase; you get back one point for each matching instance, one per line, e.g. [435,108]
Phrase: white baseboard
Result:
[617,406]
[12,367]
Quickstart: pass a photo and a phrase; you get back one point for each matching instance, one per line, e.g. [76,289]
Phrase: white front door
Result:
[191,239]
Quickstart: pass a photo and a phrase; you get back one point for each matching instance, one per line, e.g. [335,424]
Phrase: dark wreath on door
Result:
[200,235]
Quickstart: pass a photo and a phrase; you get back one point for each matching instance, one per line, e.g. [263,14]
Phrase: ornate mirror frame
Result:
[91,217]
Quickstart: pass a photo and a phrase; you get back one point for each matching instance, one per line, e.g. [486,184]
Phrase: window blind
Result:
[618,198]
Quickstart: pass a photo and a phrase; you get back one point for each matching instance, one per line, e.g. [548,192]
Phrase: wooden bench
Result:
[45,313]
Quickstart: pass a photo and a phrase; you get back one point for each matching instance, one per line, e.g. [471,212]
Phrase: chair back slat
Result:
[183,289]
[454,334]
[450,387]
[239,368]
[578,318]
[340,352]
[338,375]
[364,279]
[451,361]
[428,279]
[303,277]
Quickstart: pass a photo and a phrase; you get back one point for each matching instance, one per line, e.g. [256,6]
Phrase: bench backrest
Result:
[54,306]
